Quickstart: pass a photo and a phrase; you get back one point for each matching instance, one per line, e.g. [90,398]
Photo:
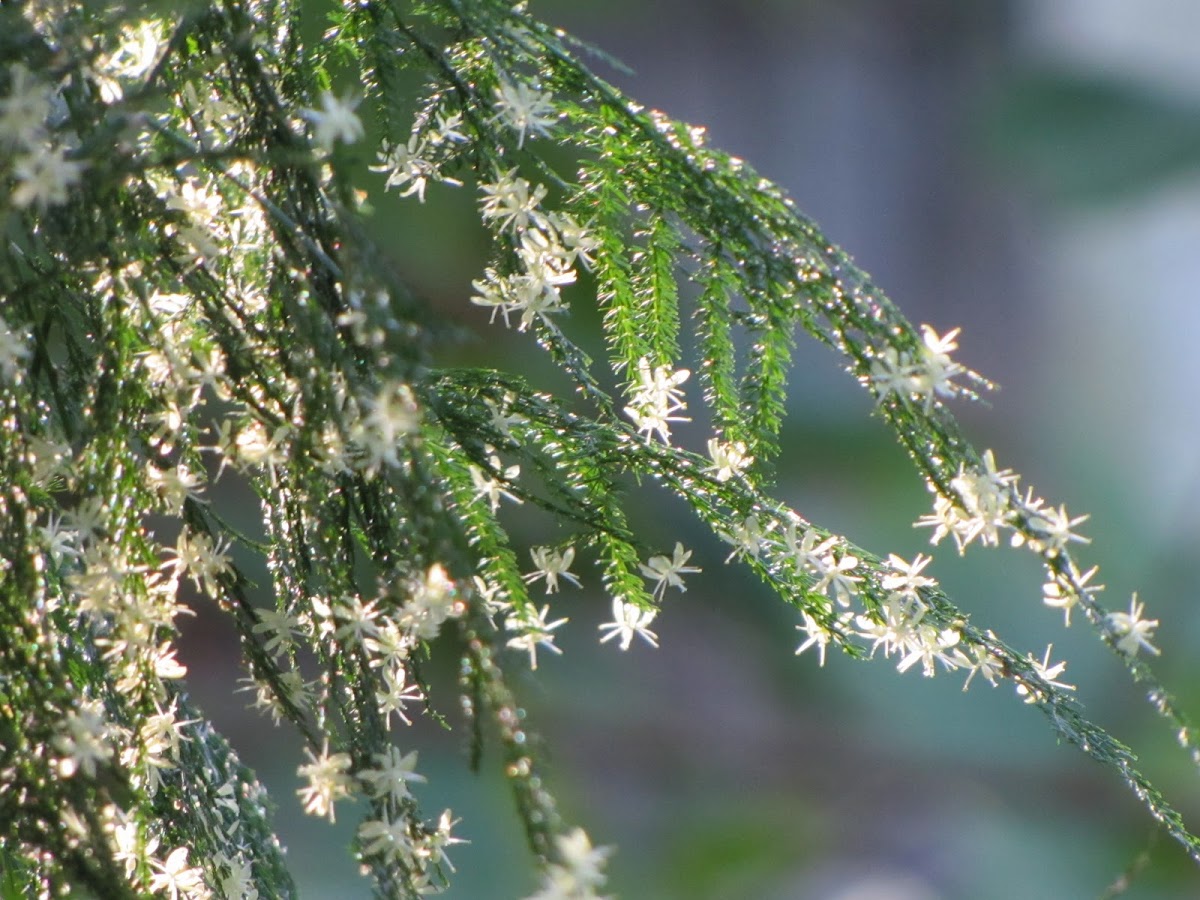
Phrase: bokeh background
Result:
[1029,171]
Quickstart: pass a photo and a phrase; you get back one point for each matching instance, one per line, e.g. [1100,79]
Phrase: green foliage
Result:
[1093,139]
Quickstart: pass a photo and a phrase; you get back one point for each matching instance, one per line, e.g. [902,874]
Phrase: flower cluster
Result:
[217,230]
[388,418]
[922,375]
[986,502]
[42,172]
[430,149]
[578,872]
[549,245]
[533,628]
[983,504]
[655,400]
[392,836]
[136,51]
[387,633]
[902,627]
[893,615]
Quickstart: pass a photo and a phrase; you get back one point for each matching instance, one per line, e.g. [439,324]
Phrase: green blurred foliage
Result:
[1087,138]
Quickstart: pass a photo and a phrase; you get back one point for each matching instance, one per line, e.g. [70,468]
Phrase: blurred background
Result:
[1029,171]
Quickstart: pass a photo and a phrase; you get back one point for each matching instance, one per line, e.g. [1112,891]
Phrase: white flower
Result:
[818,635]
[161,735]
[60,541]
[396,693]
[327,781]
[495,599]
[894,628]
[406,168]
[176,877]
[836,578]
[502,418]
[99,582]
[946,519]
[981,660]
[982,507]
[203,215]
[83,739]
[334,121]
[1060,593]
[292,688]
[805,551]
[512,204]
[494,292]
[728,460]
[136,55]
[891,373]
[390,645]
[389,837]
[1132,631]
[578,873]
[1052,531]
[393,774]
[925,375]
[629,619]
[128,847]
[581,858]
[926,644]
[392,414]
[551,565]
[280,626]
[1048,673]
[547,263]
[432,849]
[252,445]
[447,129]
[747,538]
[545,260]
[403,165]
[165,664]
[534,632]
[359,618]
[906,577]
[175,485]
[666,571]
[935,369]
[524,109]
[201,558]
[530,295]
[432,601]
[23,112]
[239,883]
[493,488]
[44,175]
[579,243]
